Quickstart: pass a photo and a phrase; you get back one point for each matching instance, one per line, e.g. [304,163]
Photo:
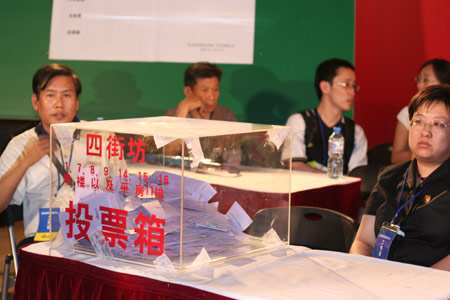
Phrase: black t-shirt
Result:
[314,141]
[425,221]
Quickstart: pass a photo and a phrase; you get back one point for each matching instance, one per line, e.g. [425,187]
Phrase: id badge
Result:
[43,232]
[387,234]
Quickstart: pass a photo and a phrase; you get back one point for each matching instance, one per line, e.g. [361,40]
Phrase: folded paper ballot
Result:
[194,189]
[240,220]
[214,220]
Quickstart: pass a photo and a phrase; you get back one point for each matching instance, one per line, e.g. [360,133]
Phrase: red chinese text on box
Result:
[115,147]
[83,223]
[139,152]
[93,144]
[152,237]
[150,231]
[114,223]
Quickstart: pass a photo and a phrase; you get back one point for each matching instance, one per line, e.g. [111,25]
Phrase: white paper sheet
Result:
[162,210]
[214,221]
[194,190]
[240,220]
[220,31]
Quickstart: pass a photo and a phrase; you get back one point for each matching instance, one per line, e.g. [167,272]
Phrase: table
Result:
[255,189]
[289,273]
[307,189]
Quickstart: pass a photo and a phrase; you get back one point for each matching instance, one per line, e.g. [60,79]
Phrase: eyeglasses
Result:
[348,85]
[438,125]
[424,80]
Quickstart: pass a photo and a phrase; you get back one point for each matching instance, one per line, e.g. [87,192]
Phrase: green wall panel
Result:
[291,38]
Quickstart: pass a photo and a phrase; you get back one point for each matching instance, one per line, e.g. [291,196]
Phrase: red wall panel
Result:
[392,40]
[436,28]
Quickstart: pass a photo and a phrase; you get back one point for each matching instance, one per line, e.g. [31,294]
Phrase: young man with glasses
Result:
[335,85]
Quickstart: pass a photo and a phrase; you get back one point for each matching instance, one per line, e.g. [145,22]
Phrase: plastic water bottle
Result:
[335,154]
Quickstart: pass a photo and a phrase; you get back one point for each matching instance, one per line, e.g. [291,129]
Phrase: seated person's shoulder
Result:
[14,149]
[223,113]
[297,122]
[359,131]
[20,140]
[390,172]
[358,127]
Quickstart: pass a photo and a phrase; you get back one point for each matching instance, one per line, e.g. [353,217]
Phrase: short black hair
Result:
[200,70]
[428,96]
[327,70]
[441,68]
[46,73]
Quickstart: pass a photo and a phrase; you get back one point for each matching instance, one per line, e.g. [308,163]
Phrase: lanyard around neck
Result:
[63,172]
[322,135]
[39,129]
[399,206]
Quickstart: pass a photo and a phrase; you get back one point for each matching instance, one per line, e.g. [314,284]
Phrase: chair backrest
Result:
[369,175]
[12,127]
[14,214]
[380,154]
[313,227]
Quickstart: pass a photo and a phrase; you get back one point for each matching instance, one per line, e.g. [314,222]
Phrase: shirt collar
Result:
[42,129]
[441,171]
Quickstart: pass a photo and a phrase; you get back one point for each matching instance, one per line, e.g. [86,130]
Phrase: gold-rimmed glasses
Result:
[348,85]
[421,123]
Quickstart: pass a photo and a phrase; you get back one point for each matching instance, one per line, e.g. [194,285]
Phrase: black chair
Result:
[369,175]
[313,227]
[12,127]
[380,155]
[14,214]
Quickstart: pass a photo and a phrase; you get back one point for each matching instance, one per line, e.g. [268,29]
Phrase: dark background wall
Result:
[291,38]
[392,40]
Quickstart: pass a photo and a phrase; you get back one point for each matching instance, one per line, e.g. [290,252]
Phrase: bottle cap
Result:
[337,129]
[100,119]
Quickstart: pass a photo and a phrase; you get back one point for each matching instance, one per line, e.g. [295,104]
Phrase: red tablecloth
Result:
[290,273]
[44,277]
[344,198]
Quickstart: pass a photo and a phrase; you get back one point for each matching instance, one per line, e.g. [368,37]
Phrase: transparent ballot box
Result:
[173,193]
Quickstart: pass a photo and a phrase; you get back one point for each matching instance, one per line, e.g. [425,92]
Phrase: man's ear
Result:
[325,87]
[187,91]
[34,100]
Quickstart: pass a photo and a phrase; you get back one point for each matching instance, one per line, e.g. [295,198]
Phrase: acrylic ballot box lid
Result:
[174,127]
[168,192]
